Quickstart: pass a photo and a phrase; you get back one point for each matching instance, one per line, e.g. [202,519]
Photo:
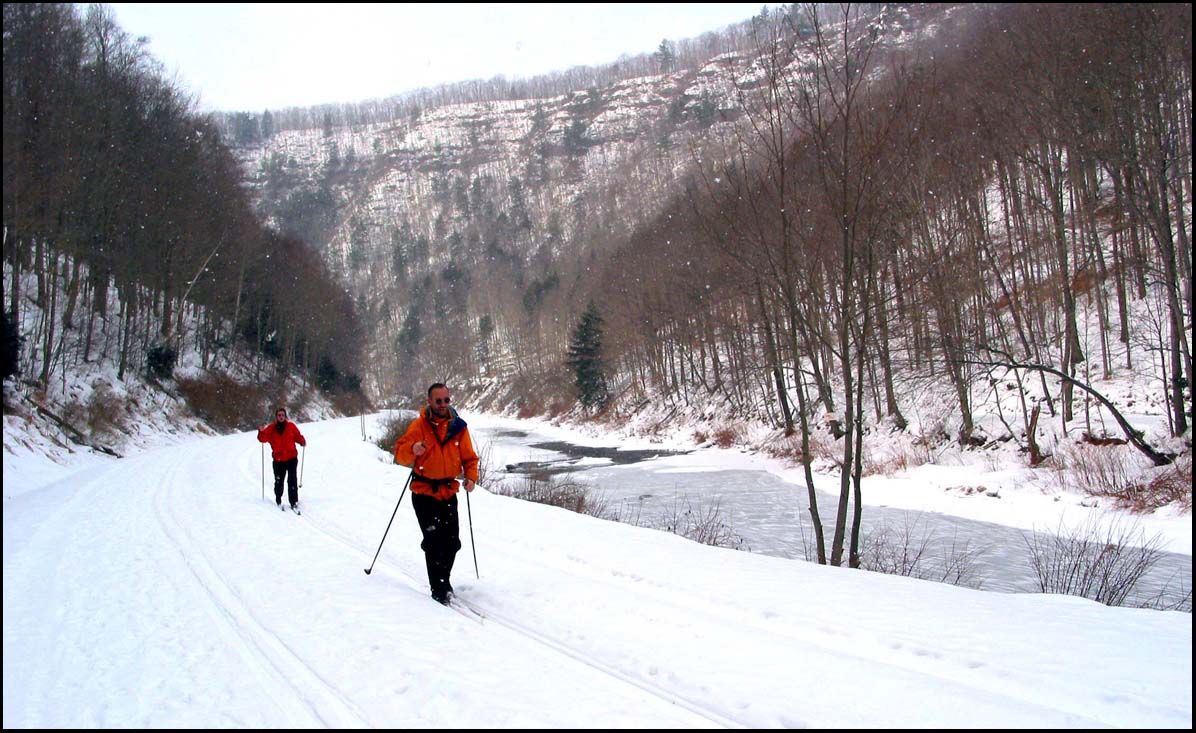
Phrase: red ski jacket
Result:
[282,445]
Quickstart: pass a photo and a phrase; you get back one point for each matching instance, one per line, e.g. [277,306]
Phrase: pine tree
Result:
[665,56]
[585,359]
[12,345]
[267,125]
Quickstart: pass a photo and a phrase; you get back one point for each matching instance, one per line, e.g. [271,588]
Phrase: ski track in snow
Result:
[904,659]
[527,634]
[166,572]
[871,653]
[275,665]
[478,615]
[329,707]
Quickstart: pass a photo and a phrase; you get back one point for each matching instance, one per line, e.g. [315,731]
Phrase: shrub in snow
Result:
[913,551]
[1102,563]
[160,360]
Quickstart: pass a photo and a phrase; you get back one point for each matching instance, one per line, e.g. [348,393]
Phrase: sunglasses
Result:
[445,401]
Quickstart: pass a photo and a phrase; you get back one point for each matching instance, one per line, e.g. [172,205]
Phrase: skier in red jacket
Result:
[282,437]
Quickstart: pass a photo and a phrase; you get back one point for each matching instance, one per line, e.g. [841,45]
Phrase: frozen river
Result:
[771,515]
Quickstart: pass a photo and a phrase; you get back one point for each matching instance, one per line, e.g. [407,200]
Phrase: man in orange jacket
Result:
[438,448]
[282,437]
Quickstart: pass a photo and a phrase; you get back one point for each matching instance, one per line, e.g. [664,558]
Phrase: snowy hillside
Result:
[162,590]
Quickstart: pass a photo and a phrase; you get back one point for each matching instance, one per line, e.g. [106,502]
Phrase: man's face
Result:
[439,402]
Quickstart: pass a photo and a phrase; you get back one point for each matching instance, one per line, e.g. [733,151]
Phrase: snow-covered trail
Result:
[172,596]
[162,591]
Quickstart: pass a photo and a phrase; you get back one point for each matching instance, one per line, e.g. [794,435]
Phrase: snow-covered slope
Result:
[162,590]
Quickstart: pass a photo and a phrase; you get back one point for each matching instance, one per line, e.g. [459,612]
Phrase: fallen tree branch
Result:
[71,431]
[1134,435]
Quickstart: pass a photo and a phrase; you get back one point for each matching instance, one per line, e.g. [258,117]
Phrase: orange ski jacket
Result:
[449,453]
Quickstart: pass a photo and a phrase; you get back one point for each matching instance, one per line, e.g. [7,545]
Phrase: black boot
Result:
[438,578]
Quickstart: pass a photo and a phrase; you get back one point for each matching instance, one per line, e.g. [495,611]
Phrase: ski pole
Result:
[472,546]
[392,519]
[302,463]
[263,471]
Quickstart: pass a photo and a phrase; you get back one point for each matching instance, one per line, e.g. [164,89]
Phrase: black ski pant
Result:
[286,468]
[441,529]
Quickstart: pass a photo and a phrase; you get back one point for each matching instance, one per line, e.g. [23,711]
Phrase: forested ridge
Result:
[808,219]
[127,212]
[913,189]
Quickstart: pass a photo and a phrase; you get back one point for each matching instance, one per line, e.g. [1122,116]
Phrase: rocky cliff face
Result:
[515,191]
[622,144]
[510,199]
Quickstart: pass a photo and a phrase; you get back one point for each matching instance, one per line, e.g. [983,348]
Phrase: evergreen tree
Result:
[12,346]
[585,359]
[267,125]
[484,348]
[665,56]
[575,140]
[247,128]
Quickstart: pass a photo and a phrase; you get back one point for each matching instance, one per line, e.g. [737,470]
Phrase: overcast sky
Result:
[257,56]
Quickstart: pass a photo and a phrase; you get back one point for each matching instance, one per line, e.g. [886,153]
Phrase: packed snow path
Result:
[162,591]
